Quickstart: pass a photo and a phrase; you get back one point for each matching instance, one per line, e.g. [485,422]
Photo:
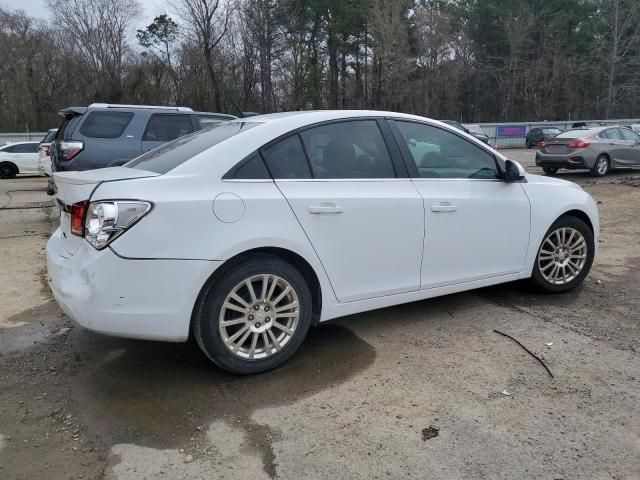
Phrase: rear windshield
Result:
[48,138]
[168,156]
[575,133]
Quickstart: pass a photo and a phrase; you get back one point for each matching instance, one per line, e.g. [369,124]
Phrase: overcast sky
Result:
[36,8]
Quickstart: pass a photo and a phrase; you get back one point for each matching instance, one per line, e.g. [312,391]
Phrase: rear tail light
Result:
[542,144]
[579,144]
[78,211]
[46,149]
[106,221]
[68,150]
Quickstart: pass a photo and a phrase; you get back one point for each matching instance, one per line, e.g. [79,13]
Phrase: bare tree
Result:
[97,32]
[207,21]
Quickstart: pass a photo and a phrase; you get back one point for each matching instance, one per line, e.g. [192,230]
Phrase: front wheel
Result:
[565,256]
[550,170]
[601,167]
[254,317]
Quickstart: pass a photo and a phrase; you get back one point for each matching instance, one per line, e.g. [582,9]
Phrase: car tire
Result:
[528,144]
[564,257]
[8,170]
[218,308]
[601,167]
[550,170]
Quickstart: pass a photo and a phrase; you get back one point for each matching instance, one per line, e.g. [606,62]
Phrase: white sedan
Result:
[245,234]
[18,157]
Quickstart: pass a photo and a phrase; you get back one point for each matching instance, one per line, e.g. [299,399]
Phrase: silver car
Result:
[597,149]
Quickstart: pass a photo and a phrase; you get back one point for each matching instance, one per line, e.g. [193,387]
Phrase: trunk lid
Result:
[74,187]
[557,145]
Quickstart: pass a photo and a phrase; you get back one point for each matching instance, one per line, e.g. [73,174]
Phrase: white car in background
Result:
[44,152]
[18,157]
[245,234]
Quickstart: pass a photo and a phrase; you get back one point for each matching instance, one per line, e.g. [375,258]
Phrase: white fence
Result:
[21,137]
[505,135]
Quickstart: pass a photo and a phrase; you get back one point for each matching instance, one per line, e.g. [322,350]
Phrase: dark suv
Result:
[104,135]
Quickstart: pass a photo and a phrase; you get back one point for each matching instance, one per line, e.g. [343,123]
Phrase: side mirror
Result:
[512,172]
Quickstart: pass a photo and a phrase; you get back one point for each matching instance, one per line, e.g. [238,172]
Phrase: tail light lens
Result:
[575,144]
[106,221]
[46,149]
[68,150]
[542,144]
[78,211]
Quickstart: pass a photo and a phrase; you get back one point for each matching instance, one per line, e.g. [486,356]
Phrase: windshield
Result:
[168,156]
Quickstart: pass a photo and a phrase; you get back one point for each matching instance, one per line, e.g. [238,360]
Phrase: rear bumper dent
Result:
[147,299]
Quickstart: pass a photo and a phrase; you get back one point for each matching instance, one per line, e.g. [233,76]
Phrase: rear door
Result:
[164,127]
[630,155]
[363,217]
[614,145]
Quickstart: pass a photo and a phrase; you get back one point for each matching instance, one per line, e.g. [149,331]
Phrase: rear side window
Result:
[168,156]
[286,159]
[354,149]
[22,148]
[105,124]
[613,134]
[164,128]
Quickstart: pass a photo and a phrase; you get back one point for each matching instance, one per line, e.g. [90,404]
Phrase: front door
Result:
[476,225]
[366,225]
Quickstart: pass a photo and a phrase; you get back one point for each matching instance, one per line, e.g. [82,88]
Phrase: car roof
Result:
[309,117]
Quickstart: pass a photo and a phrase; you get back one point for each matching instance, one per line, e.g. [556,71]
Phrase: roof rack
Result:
[119,105]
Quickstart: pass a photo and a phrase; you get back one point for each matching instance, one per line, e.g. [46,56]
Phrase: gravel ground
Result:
[423,390]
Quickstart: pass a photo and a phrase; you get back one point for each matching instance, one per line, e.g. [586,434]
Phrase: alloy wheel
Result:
[259,317]
[602,165]
[562,256]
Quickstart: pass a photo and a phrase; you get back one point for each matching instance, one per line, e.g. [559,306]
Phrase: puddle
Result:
[161,395]
[30,327]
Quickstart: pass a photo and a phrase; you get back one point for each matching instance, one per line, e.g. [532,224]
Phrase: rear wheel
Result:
[255,317]
[8,170]
[550,170]
[565,256]
[601,167]
[528,144]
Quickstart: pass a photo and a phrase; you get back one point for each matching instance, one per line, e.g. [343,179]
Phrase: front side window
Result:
[105,124]
[352,149]
[164,128]
[441,154]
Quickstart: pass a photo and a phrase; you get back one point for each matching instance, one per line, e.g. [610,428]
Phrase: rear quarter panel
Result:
[184,225]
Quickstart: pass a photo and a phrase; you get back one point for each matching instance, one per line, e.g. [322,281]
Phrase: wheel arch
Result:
[579,214]
[295,259]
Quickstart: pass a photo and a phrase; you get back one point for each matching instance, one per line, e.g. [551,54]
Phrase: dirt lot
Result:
[425,390]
